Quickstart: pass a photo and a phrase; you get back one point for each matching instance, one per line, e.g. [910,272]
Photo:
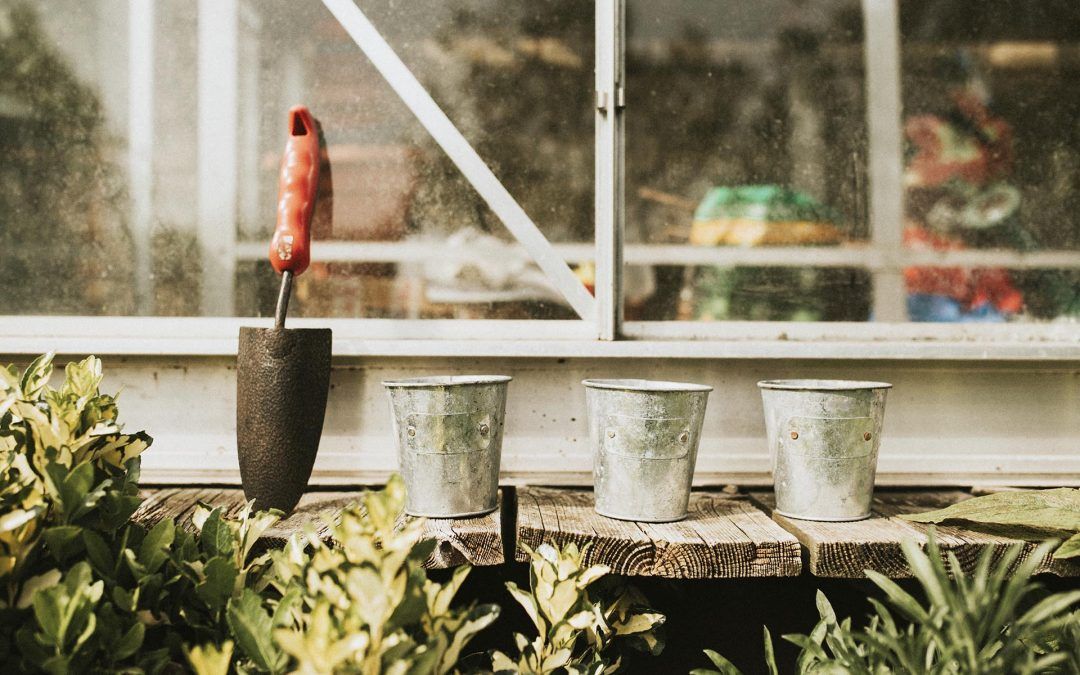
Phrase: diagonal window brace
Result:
[457,148]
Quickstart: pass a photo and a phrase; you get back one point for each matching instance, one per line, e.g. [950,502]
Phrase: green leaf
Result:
[74,487]
[1070,549]
[49,612]
[825,609]
[479,618]
[98,553]
[216,537]
[9,378]
[84,377]
[770,652]
[210,659]
[218,585]
[1054,510]
[34,584]
[283,612]
[900,599]
[63,541]
[527,602]
[129,643]
[251,626]
[36,376]
[154,550]
[723,665]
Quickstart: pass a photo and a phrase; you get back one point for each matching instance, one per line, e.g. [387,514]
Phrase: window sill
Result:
[159,336]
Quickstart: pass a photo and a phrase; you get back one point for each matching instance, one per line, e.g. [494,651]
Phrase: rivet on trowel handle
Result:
[794,435]
[867,436]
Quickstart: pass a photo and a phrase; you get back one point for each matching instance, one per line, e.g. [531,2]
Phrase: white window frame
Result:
[601,329]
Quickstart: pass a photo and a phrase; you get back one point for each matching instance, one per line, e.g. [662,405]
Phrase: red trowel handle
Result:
[297,190]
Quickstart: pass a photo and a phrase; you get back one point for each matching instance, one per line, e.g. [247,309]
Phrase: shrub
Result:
[82,589]
[992,622]
[580,621]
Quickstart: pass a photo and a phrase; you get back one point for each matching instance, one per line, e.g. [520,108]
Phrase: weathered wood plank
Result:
[725,536]
[846,550]
[476,541]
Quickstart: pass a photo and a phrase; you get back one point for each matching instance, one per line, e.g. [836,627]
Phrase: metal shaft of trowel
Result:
[283,299]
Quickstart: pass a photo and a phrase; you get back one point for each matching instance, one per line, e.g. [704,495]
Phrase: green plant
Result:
[82,589]
[68,477]
[1024,514]
[993,622]
[579,622]
[366,604]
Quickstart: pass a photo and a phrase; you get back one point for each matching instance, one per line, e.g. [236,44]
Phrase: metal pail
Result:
[824,437]
[449,435]
[644,437]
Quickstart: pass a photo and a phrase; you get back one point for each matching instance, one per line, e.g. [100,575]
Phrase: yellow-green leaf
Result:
[1057,509]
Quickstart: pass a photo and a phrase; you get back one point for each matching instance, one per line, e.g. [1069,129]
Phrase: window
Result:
[148,135]
[992,162]
[738,162]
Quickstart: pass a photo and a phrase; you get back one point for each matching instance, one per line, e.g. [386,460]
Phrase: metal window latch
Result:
[604,98]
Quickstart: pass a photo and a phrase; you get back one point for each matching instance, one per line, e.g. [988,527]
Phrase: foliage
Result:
[82,589]
[579,622]
[366,605]
[991,622]
[1024,514]
[68,476]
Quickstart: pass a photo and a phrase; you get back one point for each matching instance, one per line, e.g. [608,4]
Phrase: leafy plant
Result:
[68,484]
[1025,514]
[992,622]
[82,589]
[578,632]
[364,605]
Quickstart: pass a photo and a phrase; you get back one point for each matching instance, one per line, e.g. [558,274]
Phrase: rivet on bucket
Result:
[823,436]
[449,437]
[645,438]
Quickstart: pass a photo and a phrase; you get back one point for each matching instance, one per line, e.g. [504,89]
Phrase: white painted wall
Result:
[947,422]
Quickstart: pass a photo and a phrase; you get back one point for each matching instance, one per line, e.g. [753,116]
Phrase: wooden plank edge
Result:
[474,541]
[649,556]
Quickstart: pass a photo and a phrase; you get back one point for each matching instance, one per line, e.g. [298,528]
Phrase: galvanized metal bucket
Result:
[449,433]
[824,437]
[645,439]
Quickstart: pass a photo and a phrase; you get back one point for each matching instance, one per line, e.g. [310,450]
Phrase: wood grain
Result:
[846,550]
[725,536]
[476,541]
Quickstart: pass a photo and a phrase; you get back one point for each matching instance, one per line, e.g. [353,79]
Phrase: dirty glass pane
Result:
[991,96]
[746,137]
[108,209]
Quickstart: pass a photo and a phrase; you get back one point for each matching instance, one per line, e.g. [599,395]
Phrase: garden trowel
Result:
[283,374]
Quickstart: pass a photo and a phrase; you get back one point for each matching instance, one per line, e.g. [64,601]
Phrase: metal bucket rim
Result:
[659,386]
[435,381]
[822,385]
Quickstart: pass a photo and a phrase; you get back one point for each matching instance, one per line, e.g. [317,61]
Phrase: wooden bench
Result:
[727,535]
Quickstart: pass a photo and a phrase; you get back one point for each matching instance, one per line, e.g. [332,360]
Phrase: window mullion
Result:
[217,152]
[610,174]
[885,155]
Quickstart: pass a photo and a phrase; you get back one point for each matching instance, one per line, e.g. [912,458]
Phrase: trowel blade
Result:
[282,381]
